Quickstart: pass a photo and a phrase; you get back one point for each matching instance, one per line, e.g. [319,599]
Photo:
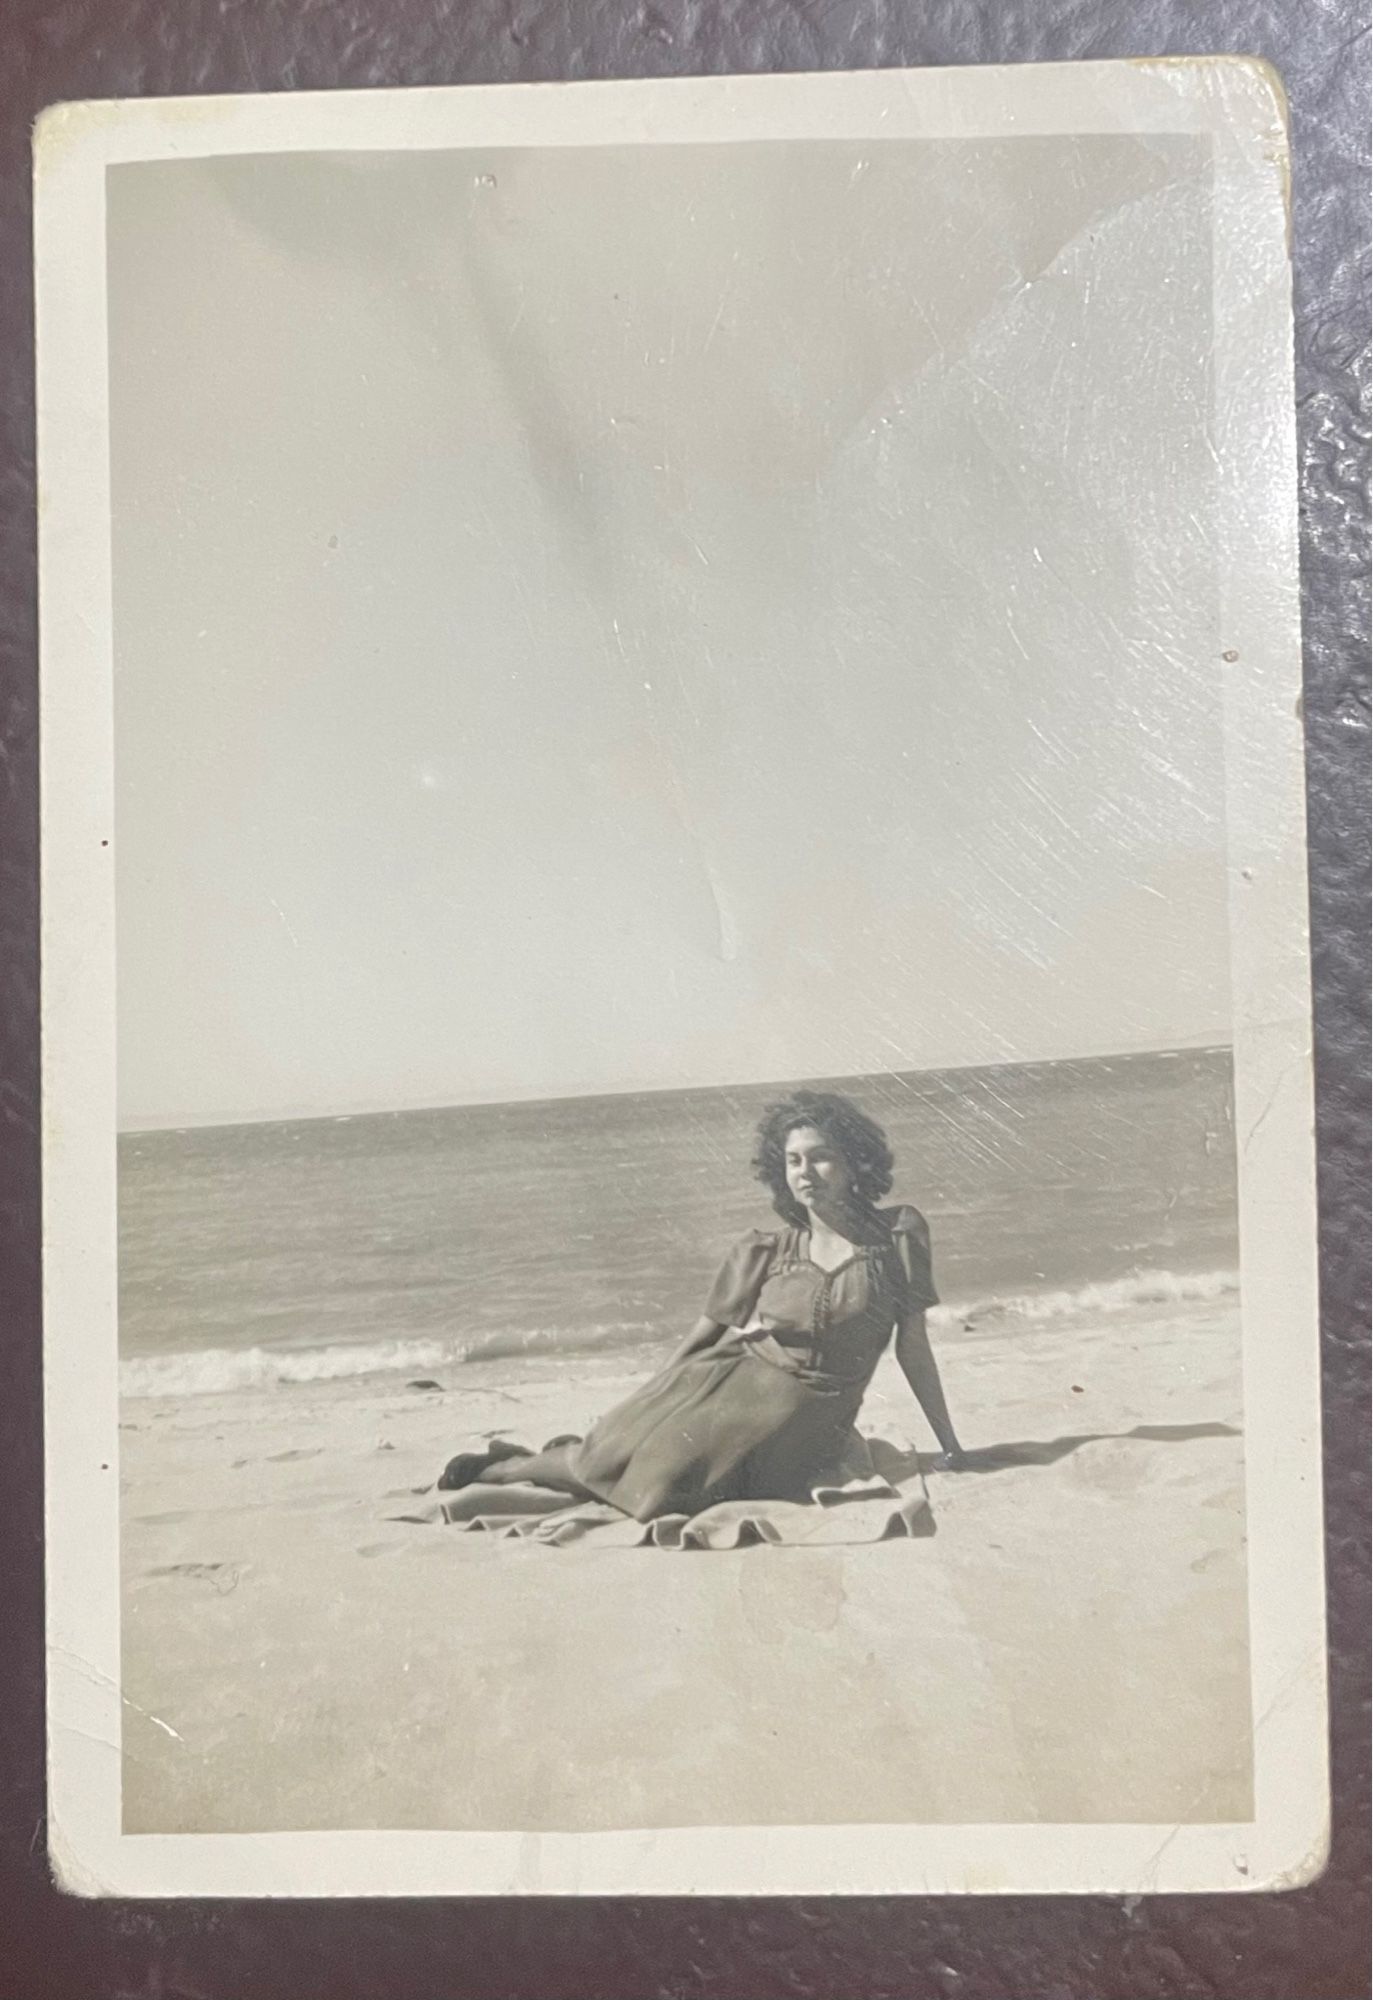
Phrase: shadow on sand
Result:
[897,1465]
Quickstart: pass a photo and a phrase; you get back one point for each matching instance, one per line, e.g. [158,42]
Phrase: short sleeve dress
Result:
[757,1414]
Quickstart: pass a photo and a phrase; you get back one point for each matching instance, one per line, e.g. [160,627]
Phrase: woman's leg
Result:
[505,1503]
[550,1468]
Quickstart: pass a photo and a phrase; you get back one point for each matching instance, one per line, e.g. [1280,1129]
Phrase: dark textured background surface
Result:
[1303,1946]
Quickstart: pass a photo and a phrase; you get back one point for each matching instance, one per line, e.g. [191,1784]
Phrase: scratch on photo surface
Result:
[1269,1102]
[100,1679]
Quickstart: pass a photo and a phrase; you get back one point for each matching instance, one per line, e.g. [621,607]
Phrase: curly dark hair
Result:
[842,1125]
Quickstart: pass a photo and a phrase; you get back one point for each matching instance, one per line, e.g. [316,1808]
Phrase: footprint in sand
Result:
[280,1457]
[1208,1561]
[224,1576]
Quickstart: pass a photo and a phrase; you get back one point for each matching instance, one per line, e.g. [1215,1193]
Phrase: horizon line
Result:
[1201,1045]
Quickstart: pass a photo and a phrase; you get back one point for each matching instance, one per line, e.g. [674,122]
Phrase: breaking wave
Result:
[214,1369]
[1141,1288]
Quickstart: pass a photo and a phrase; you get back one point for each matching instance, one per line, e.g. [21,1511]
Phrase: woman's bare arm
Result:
[916,1359]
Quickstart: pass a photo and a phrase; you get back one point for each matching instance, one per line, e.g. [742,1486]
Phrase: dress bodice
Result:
[827,1324]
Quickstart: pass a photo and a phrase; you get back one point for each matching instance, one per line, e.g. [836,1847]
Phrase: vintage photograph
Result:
[679,1042]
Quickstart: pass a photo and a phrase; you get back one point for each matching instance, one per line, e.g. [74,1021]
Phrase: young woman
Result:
[758,1400]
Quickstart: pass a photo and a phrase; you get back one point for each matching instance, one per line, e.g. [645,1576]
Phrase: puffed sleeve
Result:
[740,1279]
[911,1234]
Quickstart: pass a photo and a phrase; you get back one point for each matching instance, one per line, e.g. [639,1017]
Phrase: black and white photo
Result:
[680,1212]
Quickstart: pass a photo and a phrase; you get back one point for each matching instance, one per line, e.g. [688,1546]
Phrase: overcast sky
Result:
[592,620]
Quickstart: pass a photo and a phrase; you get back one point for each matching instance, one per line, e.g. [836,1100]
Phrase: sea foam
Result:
[1140,1288]
[213,1370]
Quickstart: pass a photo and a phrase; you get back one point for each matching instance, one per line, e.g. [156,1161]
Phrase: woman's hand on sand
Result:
[952,1459]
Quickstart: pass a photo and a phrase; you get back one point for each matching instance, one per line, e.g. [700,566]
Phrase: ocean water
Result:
[317,1248]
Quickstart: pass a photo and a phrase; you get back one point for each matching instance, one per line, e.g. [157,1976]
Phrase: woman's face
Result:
[817,1173]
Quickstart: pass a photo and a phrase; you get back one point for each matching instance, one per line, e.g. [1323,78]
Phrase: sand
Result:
[1070,1645]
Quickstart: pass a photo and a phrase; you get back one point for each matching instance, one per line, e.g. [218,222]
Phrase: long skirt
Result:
[723,1424]
[722,1447]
